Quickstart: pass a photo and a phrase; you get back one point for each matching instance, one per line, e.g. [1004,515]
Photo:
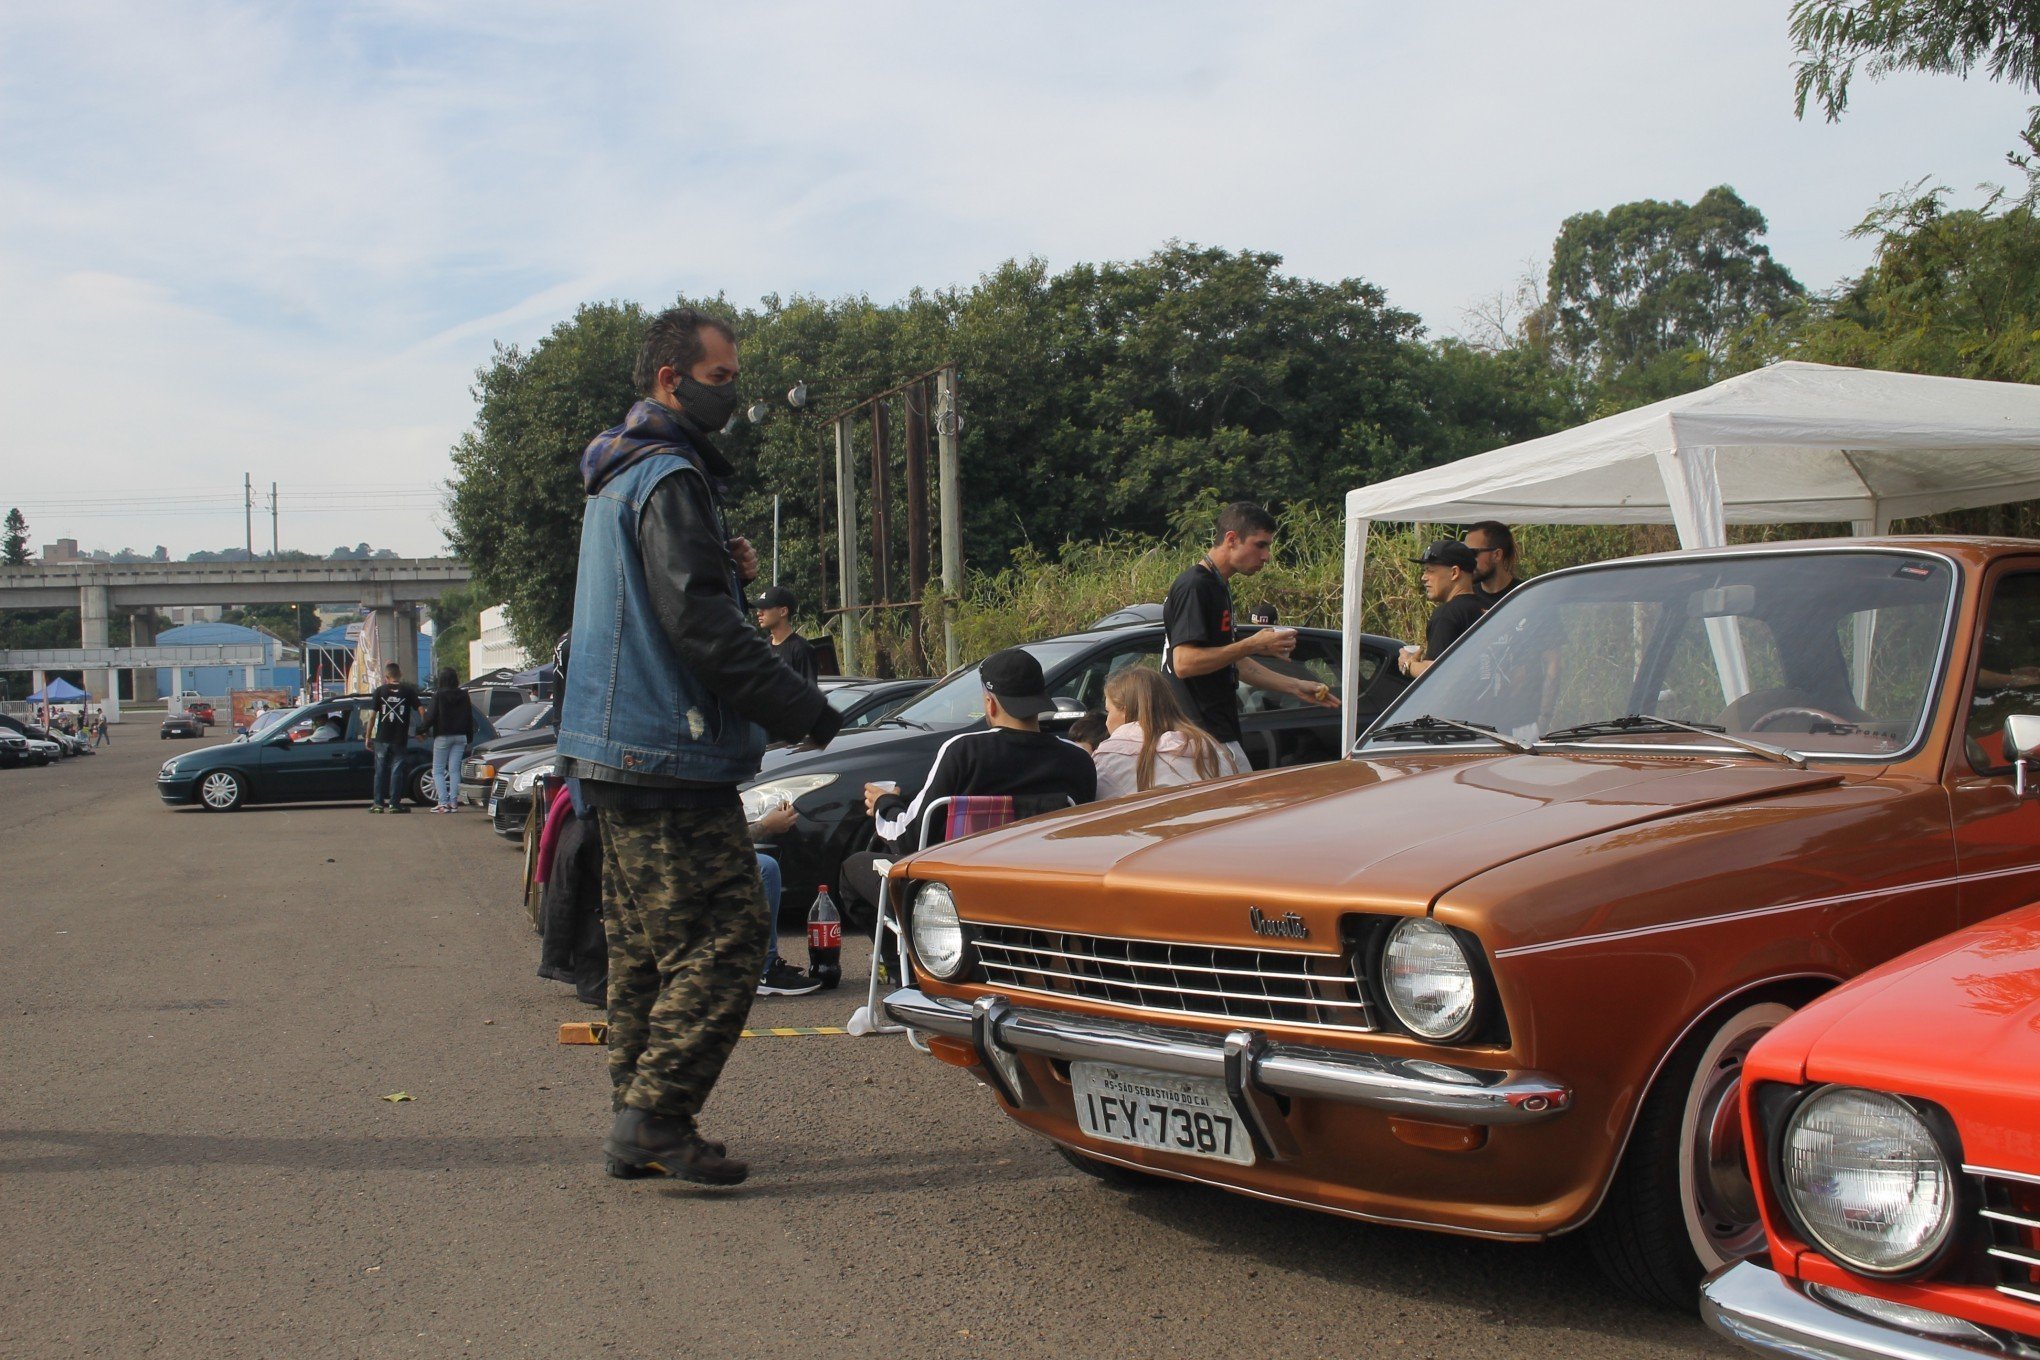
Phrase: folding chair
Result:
[963,815]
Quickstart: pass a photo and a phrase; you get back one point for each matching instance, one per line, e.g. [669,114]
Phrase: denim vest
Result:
[632,704]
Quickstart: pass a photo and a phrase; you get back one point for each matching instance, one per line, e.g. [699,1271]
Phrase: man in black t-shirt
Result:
[774,607]
[1494,558]
[394,705]
[1448,567]
[1204,655]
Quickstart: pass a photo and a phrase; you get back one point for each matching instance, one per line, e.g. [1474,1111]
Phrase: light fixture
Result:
[756,415]
[796,395]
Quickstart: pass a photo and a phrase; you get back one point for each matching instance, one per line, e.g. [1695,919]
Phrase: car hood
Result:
[1956,1021]
[1389,834]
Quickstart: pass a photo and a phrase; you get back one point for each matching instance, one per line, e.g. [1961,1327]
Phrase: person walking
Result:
[392,706]
[668,705]
[101,733]
[450,721]
[1203,652]
[1448,567]
[1494,558]
[774,607]
[1152,742]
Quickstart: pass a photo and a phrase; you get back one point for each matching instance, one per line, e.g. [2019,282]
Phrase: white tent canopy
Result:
[1791,443]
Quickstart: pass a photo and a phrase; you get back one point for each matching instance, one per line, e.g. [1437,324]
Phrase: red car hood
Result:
[1956,1022]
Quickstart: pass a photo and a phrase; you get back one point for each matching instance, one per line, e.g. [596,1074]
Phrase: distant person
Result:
[774,607]
[1264,614]
[1089,730]
[1153,743]
[1204,654]
[393,705]
[450,722]
[1494,555]
[1447,569]
[1011,756]
[102,734]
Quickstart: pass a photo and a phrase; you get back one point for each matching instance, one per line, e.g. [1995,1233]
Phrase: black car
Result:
[510,797]
[863,702]
[826,787]
[486,759]
[14,750]
[315,755]
[66,745]
[182,725]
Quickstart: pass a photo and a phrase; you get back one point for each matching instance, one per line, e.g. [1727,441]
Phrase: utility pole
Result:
[272,521]
[949,477]
[248,511]
[775,540]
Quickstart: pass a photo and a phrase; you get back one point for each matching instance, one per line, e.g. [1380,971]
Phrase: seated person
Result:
[1012,756]
[1089,730]
[1153,742]
[329,727]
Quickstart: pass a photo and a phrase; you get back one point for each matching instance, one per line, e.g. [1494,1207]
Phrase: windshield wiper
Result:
[1434,726]
[905,722]
[1650,722]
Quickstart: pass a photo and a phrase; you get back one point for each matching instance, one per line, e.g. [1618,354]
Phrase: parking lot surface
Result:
[203,1012]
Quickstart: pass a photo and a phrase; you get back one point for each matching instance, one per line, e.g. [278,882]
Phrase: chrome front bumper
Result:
[1761,1309]
[1251,1067]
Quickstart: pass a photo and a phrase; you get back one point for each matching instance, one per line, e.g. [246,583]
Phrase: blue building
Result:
[214,681]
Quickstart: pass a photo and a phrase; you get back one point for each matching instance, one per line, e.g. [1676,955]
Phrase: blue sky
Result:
[280,238]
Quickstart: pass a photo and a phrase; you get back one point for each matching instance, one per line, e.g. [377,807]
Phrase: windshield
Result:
[960,700]
[521,717]
[1824,653]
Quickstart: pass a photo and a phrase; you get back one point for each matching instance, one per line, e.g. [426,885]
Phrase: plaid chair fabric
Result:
[980,812]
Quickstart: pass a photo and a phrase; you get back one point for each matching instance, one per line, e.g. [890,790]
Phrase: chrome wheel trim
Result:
[1716,1198]
[219,789]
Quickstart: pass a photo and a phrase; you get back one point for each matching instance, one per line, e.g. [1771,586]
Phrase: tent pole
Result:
[1349,666]
[1865,623]
[1693,491]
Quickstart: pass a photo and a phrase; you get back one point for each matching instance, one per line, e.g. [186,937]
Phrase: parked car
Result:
[182,725]
[826,787]
[485,759]
[497,701]
[331,763]
[1896,1161]
[14,751]
[201,710]
[56,744]
[861,701]
[510,797]
[1498,972]
[521,717]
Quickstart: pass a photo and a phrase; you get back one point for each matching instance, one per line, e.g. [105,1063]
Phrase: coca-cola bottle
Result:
[825,941]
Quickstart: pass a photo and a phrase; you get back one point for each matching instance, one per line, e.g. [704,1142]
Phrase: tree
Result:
[14,546]
[1642,301]
[1949,37]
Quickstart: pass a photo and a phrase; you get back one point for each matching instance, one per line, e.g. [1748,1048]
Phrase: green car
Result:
[312,755]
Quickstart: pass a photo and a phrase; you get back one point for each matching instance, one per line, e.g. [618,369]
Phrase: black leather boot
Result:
[642,1144]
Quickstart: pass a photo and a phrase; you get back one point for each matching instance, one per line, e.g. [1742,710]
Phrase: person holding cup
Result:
[1204,654]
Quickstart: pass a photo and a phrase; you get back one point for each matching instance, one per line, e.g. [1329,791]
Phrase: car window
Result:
[960,699]
[1315,659]
[2007,669]
[521,717]
[1085,683]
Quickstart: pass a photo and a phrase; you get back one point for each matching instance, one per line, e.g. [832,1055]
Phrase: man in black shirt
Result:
[1448,567]
[395,703]
[774,607]
[1203,655]
[1494,555]
[1010,756]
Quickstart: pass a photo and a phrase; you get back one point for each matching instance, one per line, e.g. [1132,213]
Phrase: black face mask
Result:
[710,408]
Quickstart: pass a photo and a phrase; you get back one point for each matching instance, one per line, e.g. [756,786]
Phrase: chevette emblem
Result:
[1288,926]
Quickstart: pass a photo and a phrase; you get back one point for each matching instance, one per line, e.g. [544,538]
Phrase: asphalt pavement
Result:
[202,1014]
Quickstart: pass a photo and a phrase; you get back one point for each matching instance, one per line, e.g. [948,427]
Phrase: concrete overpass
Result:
[386,586]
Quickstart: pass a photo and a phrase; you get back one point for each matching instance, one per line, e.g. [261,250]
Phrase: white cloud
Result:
[237,236]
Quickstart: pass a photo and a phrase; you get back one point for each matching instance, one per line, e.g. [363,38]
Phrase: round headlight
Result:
[1428,979]
[938,935]
[1867,1180]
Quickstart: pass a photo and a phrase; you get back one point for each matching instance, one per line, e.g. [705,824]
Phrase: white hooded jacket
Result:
[1118,761]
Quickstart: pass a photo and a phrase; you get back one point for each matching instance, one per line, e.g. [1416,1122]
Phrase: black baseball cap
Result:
[775,597]
[1449,552]
[1014,678]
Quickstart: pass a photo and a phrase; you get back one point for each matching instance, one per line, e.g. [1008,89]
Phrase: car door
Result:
[1279,730]
[1997,833]
[315,770]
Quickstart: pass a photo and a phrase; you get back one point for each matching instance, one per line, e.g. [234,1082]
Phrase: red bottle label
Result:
[825,935]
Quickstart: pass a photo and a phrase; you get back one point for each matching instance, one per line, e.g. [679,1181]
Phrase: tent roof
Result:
[58,691]
[1794,442]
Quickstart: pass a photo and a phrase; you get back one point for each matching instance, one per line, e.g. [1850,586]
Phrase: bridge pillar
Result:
[396,639]
[92,615]
[142,628]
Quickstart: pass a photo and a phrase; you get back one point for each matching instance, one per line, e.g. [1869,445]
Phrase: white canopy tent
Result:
[1792,443]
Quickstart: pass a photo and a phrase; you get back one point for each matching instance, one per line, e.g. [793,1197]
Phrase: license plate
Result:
[1159,1110]
[492,807]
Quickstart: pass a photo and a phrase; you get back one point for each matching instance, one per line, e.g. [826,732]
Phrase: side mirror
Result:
[2022,744]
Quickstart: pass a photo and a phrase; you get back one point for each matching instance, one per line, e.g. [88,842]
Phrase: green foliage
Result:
[457,619]
[1643,301]
[288,622]
[1945,37]
[14,546]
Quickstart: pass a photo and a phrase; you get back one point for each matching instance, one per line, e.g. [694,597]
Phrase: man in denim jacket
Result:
[668,706]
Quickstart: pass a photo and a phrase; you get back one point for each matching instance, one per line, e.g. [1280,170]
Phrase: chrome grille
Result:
[500,787]
[2011,1211]
[1279,986]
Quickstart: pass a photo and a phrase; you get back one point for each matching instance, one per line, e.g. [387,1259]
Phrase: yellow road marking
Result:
[793,1031]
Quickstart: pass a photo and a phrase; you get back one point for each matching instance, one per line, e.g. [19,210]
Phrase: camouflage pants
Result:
[687,937]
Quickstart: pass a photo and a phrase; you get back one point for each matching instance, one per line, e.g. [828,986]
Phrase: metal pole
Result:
[881,507]
[846,542]
[775,540]
[916,397]
[272,521]
[248,511]
[949,473]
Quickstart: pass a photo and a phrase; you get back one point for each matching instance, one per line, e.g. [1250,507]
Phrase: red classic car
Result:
[1897,1123]
[1498,971]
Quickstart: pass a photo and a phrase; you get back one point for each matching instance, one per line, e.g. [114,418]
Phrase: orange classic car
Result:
[1896,1124]
[1498,971]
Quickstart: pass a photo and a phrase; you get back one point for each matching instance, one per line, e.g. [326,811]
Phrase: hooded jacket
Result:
[1118,761]
[670,682]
